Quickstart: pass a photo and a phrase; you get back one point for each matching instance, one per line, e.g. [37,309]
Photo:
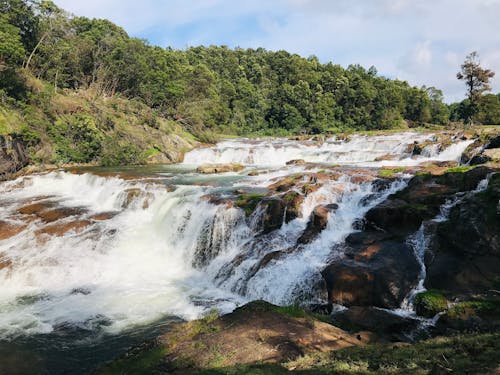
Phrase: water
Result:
[144,245]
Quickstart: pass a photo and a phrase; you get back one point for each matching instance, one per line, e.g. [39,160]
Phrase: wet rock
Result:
[296,162]
[293,201]
[380,321]
[471,151]
[274,214]
[403,212]
[466,250]
[218,200]
[61,229]
[318,221]
[219,168]
[49,214]
[285,184]
[8,230]
[380,274]
[390,156]
[103,216]
[133,194]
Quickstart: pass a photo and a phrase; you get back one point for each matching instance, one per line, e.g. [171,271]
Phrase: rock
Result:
[274,214]
[13,156]
[380,274]
[285,184]
[46,212]
[103,216]
[134,194]
[218,200]
[477,315]
[296,162]
[471,151]
[60,229]
[380,321]
[492,154]
[466,251]
[8,230]
[390,156]
[430,303]
[293,201]
[398,216]
[318,221]
[257,332]
[219,168]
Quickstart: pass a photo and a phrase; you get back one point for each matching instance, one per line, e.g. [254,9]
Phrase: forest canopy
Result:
[208,89]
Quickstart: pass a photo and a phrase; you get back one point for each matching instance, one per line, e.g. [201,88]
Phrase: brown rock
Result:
[9,230]
[317,222]
[219,168]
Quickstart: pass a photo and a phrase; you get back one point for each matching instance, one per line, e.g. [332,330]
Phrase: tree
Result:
[477,81]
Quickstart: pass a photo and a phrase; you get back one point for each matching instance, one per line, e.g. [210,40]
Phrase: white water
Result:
[359,150]
[172,252]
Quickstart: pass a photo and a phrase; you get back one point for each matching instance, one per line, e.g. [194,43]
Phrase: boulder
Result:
[373,319]
[466,250]
[219,168]
[296,162]
[380,273]
[318,221]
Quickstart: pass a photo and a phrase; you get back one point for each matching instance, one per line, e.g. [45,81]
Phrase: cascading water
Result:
[105,253]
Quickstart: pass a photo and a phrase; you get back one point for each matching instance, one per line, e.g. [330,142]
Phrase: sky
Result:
[420,41]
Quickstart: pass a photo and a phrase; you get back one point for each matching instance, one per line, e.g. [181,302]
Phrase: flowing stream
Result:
[101,259]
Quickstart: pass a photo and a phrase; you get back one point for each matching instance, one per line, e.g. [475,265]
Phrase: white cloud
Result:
[422,41]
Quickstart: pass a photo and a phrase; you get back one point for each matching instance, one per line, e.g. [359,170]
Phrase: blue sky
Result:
[421,41]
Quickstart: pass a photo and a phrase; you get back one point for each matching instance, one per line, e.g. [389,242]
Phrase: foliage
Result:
[212,90]
[477,82]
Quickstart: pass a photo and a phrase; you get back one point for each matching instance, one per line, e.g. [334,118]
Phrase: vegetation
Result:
[83,91]
[477,81]
[430,303]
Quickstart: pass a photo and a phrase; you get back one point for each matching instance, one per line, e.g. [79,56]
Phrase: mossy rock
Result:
[430,303]
[249,202]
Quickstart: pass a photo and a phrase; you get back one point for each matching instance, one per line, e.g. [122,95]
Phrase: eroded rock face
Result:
[13,156]
[465,256]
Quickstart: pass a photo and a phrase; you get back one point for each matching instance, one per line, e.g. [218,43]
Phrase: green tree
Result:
[477,81]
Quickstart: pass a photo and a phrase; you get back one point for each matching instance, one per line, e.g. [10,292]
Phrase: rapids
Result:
[144,244]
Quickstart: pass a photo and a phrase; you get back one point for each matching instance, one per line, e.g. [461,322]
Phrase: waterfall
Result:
[113,251]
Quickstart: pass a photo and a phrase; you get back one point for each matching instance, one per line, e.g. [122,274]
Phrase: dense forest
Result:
[45,53]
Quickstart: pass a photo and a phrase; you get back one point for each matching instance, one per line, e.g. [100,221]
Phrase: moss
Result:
[460,169]
[429,303]
[464,310]
[248,202]
[388,173]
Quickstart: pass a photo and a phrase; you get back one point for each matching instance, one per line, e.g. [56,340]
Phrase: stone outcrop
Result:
[13,156]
